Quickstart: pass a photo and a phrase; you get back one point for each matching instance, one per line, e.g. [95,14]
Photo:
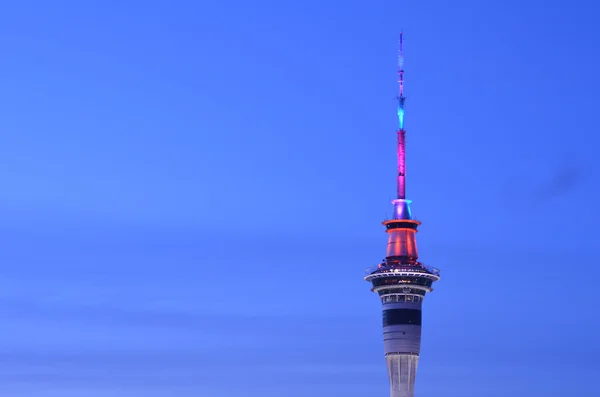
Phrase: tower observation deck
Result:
[400,280]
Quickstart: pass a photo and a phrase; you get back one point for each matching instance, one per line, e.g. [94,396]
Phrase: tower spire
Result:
[401,183]
[400,68]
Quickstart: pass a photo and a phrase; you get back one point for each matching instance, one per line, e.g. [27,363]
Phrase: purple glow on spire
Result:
[401,165]
[402,209]
[401,149]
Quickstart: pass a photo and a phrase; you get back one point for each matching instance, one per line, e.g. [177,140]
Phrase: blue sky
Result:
[192,189]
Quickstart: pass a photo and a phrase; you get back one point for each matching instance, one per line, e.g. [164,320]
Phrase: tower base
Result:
[402,370]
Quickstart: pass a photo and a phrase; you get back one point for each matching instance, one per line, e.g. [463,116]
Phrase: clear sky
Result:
[191,191]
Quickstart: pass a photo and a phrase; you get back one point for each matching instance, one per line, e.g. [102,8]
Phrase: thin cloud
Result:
[271,368]
[563,181]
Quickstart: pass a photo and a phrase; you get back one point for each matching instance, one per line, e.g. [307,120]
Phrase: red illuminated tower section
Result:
[401,281]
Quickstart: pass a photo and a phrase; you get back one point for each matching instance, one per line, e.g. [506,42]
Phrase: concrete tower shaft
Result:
[402,284]
[402,371]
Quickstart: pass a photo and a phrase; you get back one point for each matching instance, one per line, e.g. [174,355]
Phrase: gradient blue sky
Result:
[192,189]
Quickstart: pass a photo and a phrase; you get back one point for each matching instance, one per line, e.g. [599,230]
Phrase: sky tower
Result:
[401,280]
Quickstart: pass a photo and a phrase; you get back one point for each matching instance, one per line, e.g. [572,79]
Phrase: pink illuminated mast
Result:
[401,185]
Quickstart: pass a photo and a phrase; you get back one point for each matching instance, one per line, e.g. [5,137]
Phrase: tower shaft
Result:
[402,371]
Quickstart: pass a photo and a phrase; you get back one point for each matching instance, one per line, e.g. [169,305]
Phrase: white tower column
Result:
[402,369]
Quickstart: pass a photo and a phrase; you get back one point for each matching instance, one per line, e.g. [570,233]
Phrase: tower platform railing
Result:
[421,268]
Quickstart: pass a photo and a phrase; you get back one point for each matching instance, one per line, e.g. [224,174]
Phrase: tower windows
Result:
[426,282]
[401,317]
[401,298]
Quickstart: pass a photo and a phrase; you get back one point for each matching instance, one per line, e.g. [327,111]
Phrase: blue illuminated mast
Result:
[400,85]
[401,204]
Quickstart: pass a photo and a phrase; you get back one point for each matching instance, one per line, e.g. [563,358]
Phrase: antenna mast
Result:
[401,186]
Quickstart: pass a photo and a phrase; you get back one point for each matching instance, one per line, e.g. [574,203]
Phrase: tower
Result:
[401,281]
